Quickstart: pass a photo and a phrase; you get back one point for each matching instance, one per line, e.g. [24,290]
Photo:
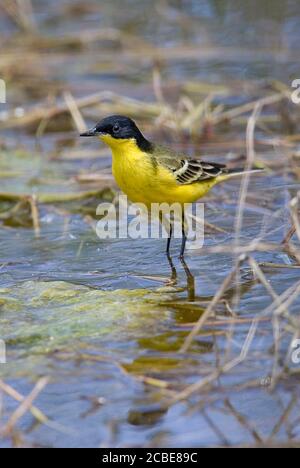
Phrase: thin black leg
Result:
[183,243]
[169,239]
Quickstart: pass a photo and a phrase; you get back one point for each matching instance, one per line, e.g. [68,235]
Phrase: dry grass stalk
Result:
[210,309]
[25,405]
[36,413]
[21,12]
[244,422]
[35,215]
[75,112]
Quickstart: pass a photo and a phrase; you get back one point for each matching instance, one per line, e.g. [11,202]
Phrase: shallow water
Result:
[98,317]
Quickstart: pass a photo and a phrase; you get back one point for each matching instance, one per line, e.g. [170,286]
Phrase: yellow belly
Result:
[146,183]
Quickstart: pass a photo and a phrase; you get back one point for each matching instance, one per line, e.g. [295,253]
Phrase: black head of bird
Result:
[118,127]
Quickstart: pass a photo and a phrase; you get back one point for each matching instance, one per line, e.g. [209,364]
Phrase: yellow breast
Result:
[133,171]
[143,181]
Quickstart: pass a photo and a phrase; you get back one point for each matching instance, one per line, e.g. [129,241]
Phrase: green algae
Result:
[40,318]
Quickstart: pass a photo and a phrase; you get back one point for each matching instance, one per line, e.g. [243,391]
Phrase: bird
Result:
[151,173]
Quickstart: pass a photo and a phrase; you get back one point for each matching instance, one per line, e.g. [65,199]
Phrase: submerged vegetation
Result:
[108,337]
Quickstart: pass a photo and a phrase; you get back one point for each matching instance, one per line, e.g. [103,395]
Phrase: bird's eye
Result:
[116,128]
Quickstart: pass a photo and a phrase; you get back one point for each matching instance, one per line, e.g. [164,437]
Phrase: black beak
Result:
[90,133]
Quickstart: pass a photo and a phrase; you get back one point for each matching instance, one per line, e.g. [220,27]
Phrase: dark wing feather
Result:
[186,171]
[192,171]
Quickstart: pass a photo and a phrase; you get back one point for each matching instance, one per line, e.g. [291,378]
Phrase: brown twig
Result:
[218,296]
[26,405]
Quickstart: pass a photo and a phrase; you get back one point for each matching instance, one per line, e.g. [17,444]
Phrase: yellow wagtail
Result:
[149,173]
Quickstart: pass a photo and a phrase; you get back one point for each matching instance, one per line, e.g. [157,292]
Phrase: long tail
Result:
[238,173]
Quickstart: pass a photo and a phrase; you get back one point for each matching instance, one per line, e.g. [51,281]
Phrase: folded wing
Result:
[192,170]
[188,171]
